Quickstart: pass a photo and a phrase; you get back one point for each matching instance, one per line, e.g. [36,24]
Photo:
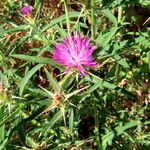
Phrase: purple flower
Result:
[75,53]
[26,10]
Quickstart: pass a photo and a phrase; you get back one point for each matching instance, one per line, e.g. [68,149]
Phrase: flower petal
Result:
[75,53]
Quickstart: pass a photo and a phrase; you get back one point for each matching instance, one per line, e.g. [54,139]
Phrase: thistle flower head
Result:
[26,10]
[75,52]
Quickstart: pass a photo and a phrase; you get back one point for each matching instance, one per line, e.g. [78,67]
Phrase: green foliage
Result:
[43,108]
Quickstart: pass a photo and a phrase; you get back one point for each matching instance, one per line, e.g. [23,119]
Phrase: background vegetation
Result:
[41,108]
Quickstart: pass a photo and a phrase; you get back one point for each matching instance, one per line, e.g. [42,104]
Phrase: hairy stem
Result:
[93,18]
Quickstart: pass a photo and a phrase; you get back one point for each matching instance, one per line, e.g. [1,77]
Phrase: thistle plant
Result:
[77,81]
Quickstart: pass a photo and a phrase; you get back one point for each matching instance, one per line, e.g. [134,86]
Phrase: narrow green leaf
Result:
[67,80]
[16,111]
[103,40]
[101,82]
[36,59]
[118,131]
[71,120]
[75,92]
[55,118]
[109,85]
[18,28]
[61,18]
[2,132]
[121,61]
[109,14]
[53,81]
[27,77]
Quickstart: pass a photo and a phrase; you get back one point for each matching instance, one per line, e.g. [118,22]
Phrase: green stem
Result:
[119,14]
[117,72]
[119,11]
[93,18]
[67,15]
[99,146]
[16,111]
